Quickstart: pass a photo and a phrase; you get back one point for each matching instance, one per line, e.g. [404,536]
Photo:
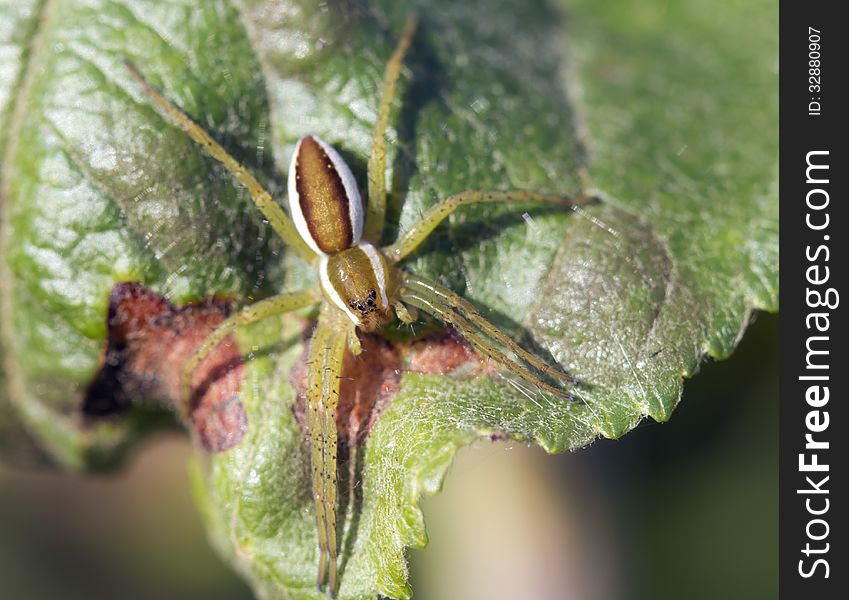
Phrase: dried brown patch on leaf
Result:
[446,352]
[369,383]
[149,340]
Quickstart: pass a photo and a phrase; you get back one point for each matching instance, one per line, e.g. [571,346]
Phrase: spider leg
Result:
[252,313]
[414,236]
[376,211]
[260,196]
[432,304]
[325,367]
[315,425]
[471,312]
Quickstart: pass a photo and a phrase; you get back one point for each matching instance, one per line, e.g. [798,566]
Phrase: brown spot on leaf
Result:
[149,340]
[369,383]
[445,352]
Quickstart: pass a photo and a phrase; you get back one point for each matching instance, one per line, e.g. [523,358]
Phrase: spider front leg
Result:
[252,313]
[260,196]
[326,352]
[414,236]
[480,333]
[377,160]
[454,301]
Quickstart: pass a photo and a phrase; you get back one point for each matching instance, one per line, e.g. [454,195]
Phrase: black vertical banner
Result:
[814,429]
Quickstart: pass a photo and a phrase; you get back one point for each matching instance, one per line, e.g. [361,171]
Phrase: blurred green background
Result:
[687,509]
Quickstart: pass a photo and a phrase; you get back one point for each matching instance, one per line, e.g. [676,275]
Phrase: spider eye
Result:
[352,304]
[372,295]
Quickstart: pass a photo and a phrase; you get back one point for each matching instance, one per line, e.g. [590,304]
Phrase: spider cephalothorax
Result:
[361,285]
[358,281]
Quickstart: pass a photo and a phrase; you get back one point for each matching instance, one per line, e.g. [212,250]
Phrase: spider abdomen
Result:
[323,197]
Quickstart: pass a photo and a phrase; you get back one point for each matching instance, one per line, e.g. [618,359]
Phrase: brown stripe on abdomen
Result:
[322,198]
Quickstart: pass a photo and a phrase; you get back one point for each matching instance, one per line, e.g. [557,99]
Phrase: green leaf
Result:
[667,110]
[17,27]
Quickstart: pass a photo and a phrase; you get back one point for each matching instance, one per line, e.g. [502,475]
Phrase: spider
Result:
[361,285]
